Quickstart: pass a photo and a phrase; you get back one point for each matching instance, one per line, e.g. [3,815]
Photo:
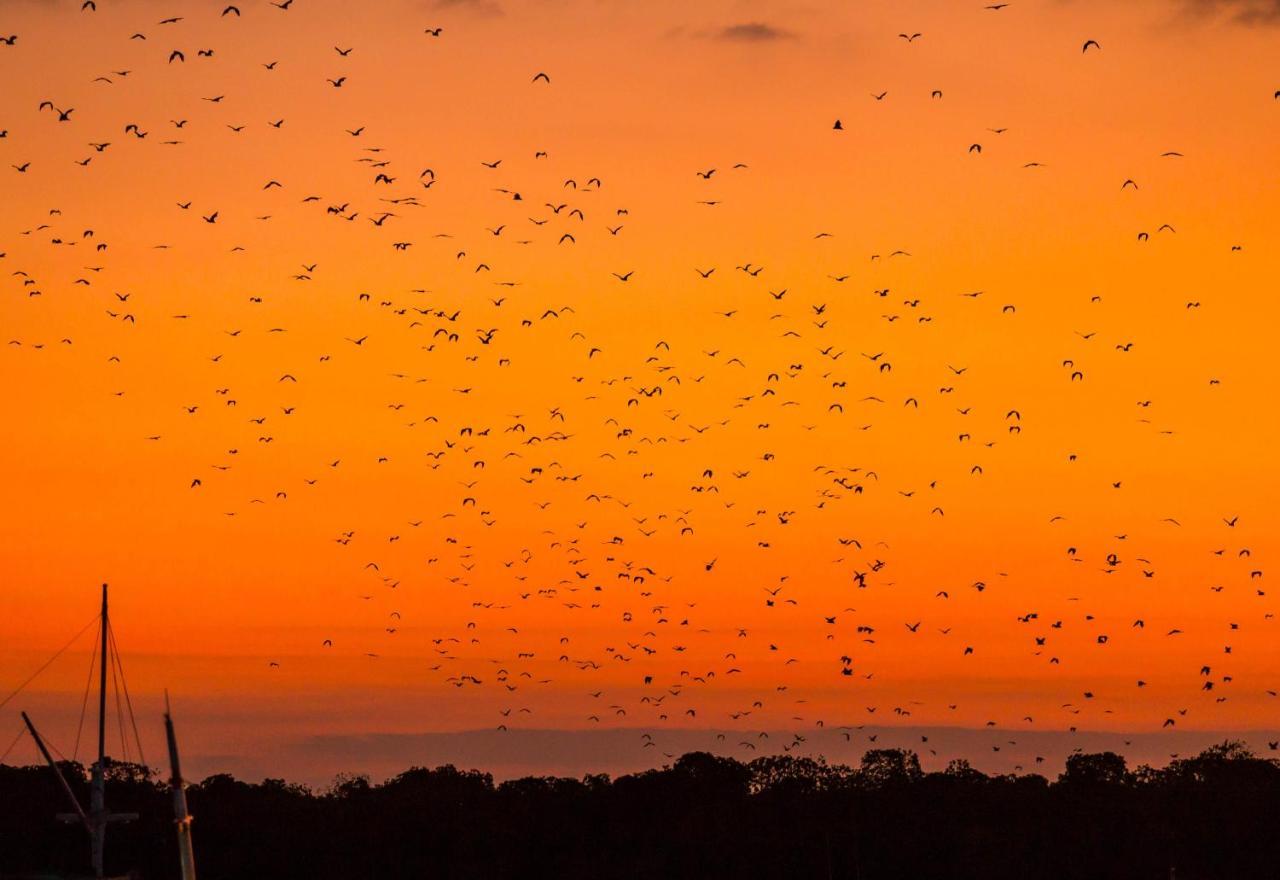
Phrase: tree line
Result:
[1215,815]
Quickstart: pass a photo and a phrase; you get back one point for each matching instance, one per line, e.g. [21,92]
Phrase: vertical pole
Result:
[97,800]
[102,682]
[181,815]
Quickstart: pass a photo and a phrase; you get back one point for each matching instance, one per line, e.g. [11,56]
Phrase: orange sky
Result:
[523,538]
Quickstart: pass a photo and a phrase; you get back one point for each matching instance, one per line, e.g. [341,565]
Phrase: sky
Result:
[402,393]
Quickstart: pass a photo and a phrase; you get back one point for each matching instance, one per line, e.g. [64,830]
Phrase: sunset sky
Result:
[1001,448]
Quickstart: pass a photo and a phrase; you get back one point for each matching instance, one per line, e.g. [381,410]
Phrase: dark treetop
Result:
[1216,815]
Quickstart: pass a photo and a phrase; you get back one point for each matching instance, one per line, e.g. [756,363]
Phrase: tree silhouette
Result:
[1102,768]
[1212,815]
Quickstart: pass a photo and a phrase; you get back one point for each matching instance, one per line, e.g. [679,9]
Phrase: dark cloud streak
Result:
[1261,12]
[486,8]
[753,32]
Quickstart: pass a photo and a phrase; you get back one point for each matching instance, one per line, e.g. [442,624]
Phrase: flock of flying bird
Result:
[603,530]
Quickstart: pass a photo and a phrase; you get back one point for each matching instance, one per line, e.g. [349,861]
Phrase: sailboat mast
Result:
[96,819]
[102,682]
[181,815]
[98,776]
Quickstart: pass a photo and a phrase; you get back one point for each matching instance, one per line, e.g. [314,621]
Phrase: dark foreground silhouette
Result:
[1216,815]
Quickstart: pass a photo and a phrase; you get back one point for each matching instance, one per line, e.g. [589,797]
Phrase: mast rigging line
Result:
[21,731]
[50,744]
[47,663]
[115,691]
[84,702]
[128,701]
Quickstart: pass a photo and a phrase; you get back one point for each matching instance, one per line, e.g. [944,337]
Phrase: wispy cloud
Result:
[753,32]
[1242,11]
[479,7]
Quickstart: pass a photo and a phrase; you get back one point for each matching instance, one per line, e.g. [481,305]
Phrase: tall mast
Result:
[181,815]
[102,683]
[97,818]
[98,774]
